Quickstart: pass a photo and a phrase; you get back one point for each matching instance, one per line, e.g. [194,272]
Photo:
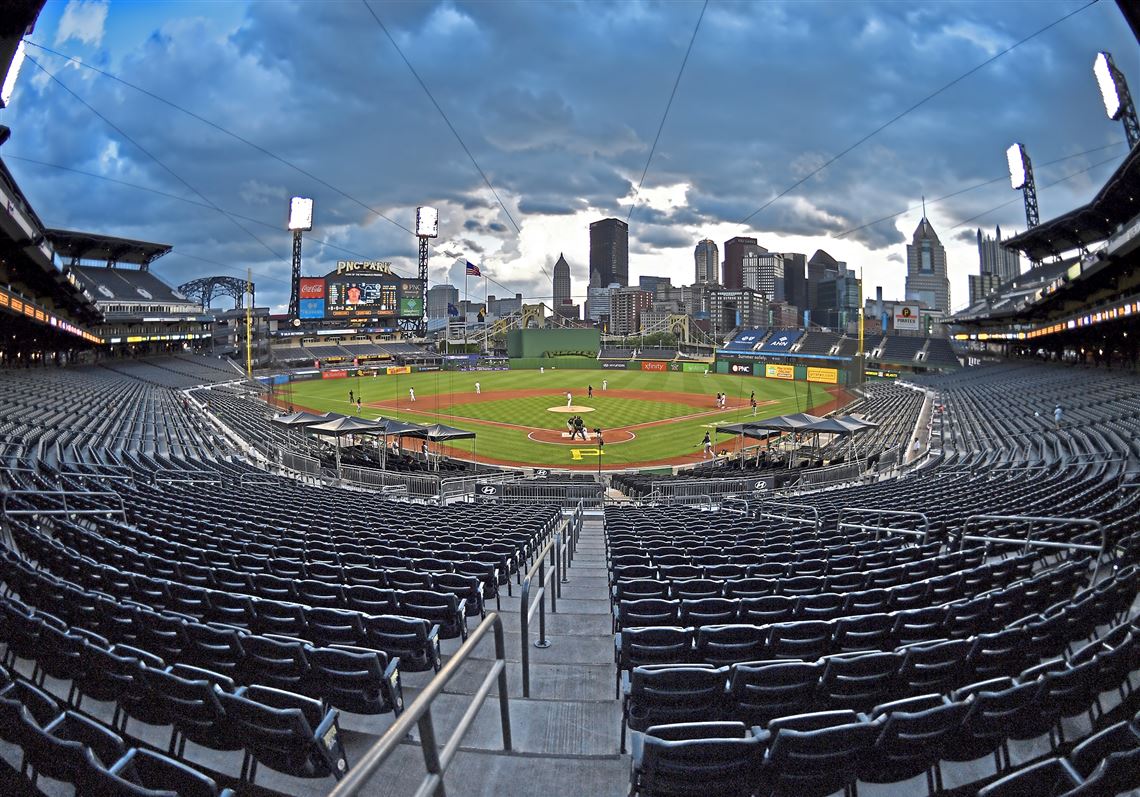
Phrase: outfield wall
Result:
[525,343]
[784,371]
[534,363]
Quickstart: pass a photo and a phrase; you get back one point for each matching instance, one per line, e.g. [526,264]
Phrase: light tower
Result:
[1021,177]
[427,226]
[1117,100]
[300,220]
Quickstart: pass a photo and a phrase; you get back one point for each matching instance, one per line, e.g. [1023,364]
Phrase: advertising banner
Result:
[654,365]
[420,368]
[828,375]
[610,365]
[906,318]
[485,492]
[675,366]
[695,368]
[398,369]
[740,368]
[773,371]
[411,306]
[340,374]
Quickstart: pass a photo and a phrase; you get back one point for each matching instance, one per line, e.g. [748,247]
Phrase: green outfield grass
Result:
[503,424]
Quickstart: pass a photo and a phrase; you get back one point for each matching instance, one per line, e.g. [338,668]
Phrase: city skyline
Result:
[566,145]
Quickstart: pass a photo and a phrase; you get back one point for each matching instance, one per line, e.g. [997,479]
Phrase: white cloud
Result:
[83,20]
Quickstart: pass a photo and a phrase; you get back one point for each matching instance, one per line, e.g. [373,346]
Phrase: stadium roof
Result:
[125,285]
[28,256]
[1116,202]
[74,246]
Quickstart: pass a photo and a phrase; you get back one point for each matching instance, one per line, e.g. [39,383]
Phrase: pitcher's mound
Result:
[571,408]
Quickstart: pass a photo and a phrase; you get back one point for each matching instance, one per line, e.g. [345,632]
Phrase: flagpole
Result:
[485,312]
[465,301]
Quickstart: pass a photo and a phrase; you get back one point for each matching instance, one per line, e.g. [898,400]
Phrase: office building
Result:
[439,297]
[561,282]
[993,258]
[609,252]
[736,252]
[707,258]
[927,280]
[626,306]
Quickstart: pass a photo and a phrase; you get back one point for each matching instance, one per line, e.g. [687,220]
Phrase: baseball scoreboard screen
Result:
[348,294]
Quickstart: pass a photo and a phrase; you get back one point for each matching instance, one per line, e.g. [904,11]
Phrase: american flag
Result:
[473,270]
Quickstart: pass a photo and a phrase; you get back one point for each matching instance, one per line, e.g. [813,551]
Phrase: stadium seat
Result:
[760,691]
[911,741]
[1053,776]
[357,680]
[694,760]
[812,755]
[668,694]
[286,732]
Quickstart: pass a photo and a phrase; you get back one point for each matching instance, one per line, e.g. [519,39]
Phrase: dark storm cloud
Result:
[559,103]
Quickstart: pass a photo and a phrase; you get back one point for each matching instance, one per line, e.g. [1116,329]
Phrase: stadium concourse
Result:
[178,614]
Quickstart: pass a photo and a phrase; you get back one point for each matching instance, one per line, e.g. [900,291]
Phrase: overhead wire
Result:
[224,130]
[1046,185]
[169,195]
[269,153]
[973,187]
[664,116]
[443,114]
[914,107]
[151,155]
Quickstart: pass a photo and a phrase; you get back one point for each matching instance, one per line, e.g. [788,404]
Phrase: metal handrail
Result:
[419,712]
[1029,520]
[171,476]
[66,510]
[900,513]
[789,505]
[528,608]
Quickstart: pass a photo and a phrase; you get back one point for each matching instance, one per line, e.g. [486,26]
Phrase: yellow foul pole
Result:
[249,324]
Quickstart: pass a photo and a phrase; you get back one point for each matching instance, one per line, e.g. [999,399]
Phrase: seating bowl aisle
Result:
[223,628]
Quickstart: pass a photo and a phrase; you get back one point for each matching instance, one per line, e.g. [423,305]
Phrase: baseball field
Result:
[520,417]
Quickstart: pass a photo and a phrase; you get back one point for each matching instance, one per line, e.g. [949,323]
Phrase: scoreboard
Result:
[357,291]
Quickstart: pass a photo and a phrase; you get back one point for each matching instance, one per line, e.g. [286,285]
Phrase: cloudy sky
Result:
[559,103]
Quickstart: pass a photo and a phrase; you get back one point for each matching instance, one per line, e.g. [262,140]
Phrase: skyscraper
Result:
[820,267]
[795,279]
[735,250]
[764,272]
[926,276]
[561,282]
[995,259]
[609,251]
[707,258]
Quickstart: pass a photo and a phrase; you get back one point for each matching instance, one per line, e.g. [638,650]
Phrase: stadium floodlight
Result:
[1114,92]
[427,222]
[13,73]
[1021,179]
[1015,157]
[300,213]
[1108,80]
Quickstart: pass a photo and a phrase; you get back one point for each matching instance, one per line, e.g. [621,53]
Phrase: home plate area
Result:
[611,436]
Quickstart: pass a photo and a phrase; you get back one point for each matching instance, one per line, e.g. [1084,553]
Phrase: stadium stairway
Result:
[565,736]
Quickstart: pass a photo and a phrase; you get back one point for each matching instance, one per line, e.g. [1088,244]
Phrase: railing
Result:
[457,486]
[655,497]
[417,485]
[527,608]
[299,463]
[695,488]
[171,476]
[811,510]
[1028,542]
[83,470]
[256,479]
[419,712]
[61,505]
[884,513]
